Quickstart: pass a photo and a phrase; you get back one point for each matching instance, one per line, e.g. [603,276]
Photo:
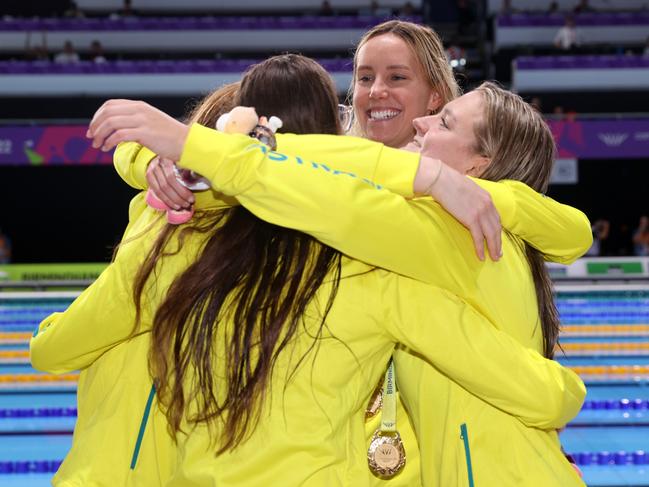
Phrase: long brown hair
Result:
[251,282]
[520,145]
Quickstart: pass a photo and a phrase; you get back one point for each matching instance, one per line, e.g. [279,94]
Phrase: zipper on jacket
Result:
[464,434]
[140,435]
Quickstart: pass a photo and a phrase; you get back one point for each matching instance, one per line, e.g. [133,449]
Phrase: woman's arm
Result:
[100,318]
[339,207]
[380,228]
[131,160]
[487,362]
[561,232]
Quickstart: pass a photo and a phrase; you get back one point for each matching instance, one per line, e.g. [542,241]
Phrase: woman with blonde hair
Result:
[400,73]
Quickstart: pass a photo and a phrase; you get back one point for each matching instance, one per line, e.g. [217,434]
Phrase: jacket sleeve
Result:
[101,317]
[339,208]
[562,233]
[487,362]
[131,160]
[355,154]
[343,209]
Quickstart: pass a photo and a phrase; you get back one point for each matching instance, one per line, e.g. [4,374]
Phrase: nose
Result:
[421,126]
[378,89]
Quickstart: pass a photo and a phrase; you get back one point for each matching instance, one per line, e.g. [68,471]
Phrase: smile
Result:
[380,115]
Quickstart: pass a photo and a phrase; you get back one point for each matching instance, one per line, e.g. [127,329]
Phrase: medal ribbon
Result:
[389,410]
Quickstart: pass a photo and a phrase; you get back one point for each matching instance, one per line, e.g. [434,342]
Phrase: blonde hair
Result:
[428,49]
[521,147]
[215,104]
[515,137]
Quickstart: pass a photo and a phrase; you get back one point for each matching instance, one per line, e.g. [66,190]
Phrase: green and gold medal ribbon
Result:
[389,411]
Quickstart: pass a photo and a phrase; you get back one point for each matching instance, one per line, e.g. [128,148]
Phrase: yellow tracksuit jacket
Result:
[99,313]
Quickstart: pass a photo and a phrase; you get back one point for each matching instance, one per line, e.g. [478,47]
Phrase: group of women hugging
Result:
[243,347]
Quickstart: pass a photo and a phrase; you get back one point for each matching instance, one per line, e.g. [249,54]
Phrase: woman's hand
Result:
[128,120]
[162,180]
[465,201]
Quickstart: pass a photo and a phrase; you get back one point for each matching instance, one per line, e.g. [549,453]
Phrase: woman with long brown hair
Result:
[266,345]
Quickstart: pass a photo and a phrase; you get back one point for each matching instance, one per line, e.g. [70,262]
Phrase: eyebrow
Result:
[449,113]
[392,66]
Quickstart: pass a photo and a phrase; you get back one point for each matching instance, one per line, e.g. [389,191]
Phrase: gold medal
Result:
[386,456]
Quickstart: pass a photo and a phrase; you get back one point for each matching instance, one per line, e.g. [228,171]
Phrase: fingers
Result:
[119,121]
[162,180]
[109,125]
[493,234]
[485,226]
[172,188]
[478,241]
[109,109]
[119,136]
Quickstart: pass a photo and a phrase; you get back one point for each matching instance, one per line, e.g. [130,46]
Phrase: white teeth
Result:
[383,114]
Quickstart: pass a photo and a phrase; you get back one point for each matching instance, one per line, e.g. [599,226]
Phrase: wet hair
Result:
[521,147]
[241,302]
[429,52]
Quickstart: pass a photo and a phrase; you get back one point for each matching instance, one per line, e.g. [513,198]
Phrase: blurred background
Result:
[583,63]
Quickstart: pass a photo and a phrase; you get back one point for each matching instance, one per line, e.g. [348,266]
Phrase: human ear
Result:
[479,165]
[434,103]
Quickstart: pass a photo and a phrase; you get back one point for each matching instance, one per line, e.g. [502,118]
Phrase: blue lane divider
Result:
[598,404]
[603,320]
[639,457]
[18,413]
[34,466]
[623,404]
[31,322]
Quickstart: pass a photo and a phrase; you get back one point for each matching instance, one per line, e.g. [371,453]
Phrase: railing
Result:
[214,34]
[136,78]
[534,30]
[495,6]
[580,73]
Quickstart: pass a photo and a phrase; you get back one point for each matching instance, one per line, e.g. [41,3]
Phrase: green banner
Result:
[51,272]
[615,268]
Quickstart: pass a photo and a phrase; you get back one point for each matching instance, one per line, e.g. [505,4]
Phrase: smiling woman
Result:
[400,73]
